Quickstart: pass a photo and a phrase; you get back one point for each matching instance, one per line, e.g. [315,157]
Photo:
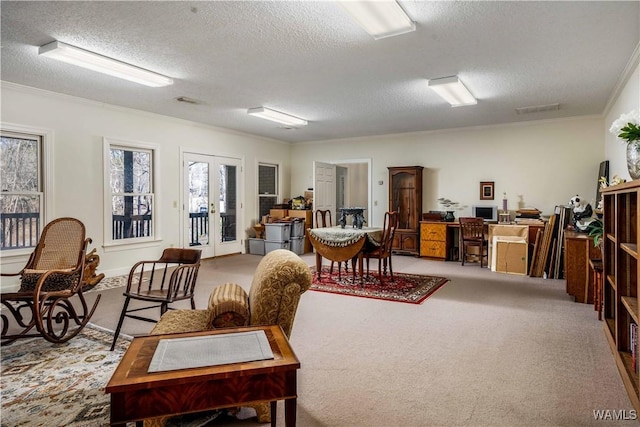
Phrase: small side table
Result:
[137,394]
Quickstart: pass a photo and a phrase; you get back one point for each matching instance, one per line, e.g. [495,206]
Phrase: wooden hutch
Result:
[405,197]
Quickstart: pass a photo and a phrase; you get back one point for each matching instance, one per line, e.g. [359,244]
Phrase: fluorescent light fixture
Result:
[452,90]
[102,64]
[276,116]
[380,18]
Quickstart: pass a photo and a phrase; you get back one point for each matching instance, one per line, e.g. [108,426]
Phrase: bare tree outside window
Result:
[131,187]
[21,196]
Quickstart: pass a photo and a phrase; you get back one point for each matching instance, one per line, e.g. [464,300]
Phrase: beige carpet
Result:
[487,349]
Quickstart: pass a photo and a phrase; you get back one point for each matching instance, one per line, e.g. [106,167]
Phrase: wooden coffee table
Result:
[137,394]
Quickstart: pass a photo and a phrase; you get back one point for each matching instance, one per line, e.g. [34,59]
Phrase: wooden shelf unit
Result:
[620,262]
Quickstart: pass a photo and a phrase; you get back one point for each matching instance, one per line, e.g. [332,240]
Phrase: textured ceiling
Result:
[310,59]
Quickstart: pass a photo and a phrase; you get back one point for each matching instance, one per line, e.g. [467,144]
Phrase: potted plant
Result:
[448,204]
[627,129]
[596,230]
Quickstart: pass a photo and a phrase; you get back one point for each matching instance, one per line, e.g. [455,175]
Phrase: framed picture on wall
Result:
[486,190]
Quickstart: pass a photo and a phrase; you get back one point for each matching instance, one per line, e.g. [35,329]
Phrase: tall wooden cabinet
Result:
[405,197]
[620,259]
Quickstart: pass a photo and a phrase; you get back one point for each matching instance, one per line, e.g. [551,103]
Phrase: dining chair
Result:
[160,282]
[323,219]
[472,235]
[383,252]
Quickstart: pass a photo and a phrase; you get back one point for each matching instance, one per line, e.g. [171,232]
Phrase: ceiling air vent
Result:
[537,108]
[188,100]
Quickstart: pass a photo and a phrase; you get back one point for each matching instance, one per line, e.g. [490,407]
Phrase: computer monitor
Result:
[486,212]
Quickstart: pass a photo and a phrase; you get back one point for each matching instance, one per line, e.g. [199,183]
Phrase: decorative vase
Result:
[449,217]
[633,158]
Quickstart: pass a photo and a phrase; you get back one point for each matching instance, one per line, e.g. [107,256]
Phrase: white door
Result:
[227,219]
[212,204]
[324,188]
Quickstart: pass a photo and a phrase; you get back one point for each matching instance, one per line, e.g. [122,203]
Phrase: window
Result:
[267,188]
[22,190]
[130,205]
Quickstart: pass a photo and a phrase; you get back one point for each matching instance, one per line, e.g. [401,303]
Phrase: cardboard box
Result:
[502,230]
[278,213]
[510,255]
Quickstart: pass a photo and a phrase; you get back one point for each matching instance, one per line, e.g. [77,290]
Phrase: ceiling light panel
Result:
[102,64]
[276,116]
[452,90]
[381,19]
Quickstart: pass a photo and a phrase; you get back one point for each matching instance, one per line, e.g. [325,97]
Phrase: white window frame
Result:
[154,149]
[277,175]
[46,175]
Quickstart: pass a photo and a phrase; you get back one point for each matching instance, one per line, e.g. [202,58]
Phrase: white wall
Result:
[538,164]
[79,126]
[627,100]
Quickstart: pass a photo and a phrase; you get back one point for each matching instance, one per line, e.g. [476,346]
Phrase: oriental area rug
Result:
[46,384]
[408,288]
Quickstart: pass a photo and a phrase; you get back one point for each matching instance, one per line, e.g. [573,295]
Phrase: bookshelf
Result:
[620,262]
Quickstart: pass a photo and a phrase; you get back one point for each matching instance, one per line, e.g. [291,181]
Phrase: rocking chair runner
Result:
[50,288]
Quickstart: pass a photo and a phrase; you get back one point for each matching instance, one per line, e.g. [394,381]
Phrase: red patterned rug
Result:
[409,288]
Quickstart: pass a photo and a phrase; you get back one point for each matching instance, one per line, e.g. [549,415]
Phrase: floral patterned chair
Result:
[280,279]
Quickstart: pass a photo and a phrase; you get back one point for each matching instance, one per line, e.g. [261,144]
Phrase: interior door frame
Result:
[369,216]
[181,194]
[319,195]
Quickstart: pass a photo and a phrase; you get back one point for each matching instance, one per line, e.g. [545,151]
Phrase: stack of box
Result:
[296,243]
[277,236]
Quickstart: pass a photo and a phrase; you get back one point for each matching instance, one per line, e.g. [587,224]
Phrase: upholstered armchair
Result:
[280,279]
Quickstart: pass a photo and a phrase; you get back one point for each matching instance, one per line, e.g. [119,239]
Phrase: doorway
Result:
[349,186]
[211,205]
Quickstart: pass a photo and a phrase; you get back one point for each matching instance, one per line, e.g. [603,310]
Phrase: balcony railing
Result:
[199,226]
[22,230]
[19,230]
[131,226]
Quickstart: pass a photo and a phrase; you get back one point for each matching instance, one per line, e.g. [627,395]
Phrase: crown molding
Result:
[632,64]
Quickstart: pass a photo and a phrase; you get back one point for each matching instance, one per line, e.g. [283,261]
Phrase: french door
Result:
[212,204]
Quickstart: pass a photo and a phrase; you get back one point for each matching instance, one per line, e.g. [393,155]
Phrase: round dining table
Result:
[343,244]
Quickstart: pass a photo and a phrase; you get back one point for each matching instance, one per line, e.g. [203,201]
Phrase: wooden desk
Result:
[137,394]
[342,244]
[439,240]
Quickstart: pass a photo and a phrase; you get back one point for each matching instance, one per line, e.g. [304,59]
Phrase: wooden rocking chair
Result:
[50,302]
